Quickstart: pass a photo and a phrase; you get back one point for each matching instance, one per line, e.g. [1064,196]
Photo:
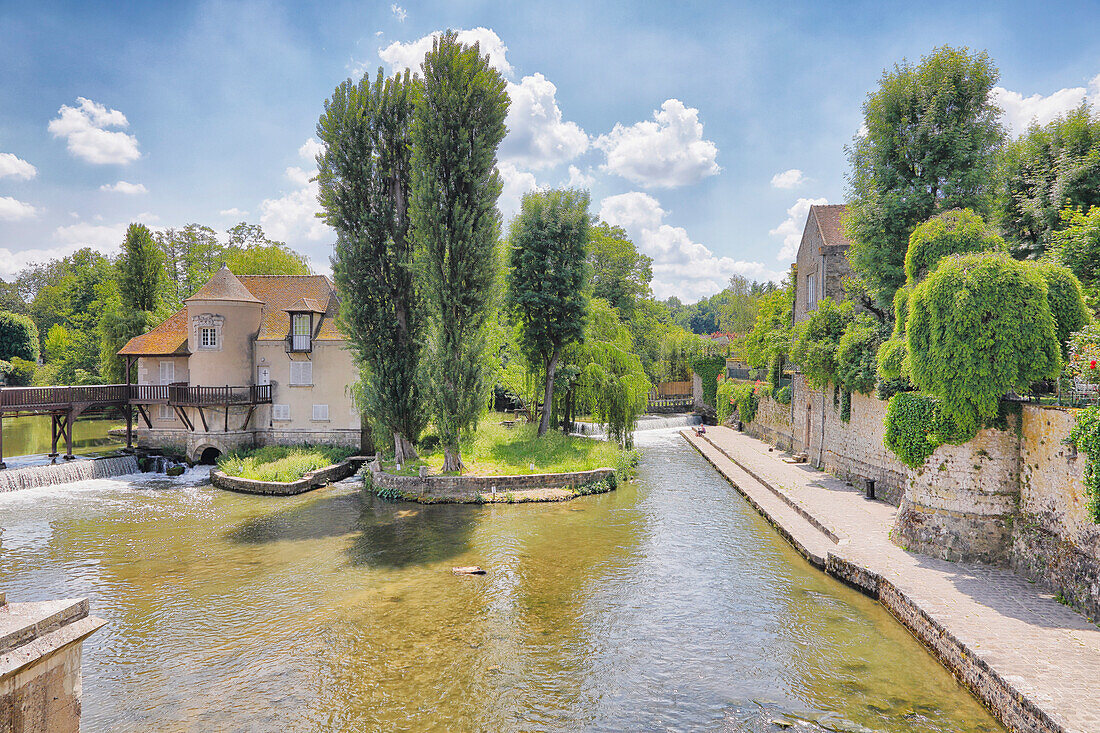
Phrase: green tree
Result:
[737,305]
[951,232]
[18,337]
[457,126]
[118,323]
[139,268]
[1067,303]
[548,249]
[250,252]
[620,274]
[817,339]
[932,131]
[770,337]
[1044,171]
[856,355]
[1077,245]
[979,326]
[364,177]
[191,256]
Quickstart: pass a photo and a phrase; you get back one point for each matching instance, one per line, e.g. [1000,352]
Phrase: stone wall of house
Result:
[772,424]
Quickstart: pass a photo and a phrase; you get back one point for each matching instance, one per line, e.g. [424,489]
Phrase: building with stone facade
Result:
[822,261]
[250,360]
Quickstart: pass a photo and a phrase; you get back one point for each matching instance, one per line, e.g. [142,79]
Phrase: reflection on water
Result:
[667,605]
[26,436]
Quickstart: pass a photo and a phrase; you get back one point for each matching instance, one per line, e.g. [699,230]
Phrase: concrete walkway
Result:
[1031,660]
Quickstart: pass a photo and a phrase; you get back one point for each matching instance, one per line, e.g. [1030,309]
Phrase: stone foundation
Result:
[312,480]
[429,487]
[191,445]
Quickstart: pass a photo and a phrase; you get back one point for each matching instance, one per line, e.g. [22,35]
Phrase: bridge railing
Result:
[30,398]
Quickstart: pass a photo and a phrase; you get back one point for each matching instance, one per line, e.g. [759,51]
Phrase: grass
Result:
[494,450]
[280,462]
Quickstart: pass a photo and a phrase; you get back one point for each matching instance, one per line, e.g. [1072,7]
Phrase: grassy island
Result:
[280,462]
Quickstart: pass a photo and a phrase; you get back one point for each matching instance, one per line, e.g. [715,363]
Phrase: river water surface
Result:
[667,605]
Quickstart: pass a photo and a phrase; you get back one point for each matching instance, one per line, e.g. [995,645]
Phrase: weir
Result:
[34,477]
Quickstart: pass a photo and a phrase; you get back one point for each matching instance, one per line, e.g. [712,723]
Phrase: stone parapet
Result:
[456,487]
[312,480]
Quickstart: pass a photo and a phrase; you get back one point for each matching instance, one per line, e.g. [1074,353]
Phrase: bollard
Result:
[869,488]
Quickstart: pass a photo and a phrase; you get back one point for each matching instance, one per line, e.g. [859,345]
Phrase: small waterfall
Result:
[646,422]
[69,472]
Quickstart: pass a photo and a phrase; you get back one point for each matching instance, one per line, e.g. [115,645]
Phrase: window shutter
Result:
[320,412]
[301,372]
[280,412]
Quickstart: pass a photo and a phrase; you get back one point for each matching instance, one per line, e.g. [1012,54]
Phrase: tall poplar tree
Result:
[139,269]
[458,124]
[931,133]
[364,181]
[548,250]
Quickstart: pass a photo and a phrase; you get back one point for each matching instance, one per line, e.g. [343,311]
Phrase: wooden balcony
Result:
[187,396]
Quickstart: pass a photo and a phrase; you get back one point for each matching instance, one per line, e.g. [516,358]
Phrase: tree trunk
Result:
[548,394]
[452,460]
[403,450]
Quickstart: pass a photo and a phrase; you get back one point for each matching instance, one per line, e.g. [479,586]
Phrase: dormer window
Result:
[304,317]
[301,331]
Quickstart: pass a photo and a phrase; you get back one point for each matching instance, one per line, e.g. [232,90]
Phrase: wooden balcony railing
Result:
[184,395]
[14,399]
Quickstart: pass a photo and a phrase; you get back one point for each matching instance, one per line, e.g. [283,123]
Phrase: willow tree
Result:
[364,181]
[548,248]
[457,126]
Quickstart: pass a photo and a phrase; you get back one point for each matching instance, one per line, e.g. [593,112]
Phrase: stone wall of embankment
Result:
[1009,497]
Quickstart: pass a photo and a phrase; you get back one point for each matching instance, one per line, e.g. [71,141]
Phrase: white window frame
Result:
[320,413]
[167,376]
[210,343]
[301,326]
[296,373]
[280,413]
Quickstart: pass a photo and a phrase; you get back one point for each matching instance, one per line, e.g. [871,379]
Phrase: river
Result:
[666,605]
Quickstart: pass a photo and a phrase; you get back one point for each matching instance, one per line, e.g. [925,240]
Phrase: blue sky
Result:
[705,129]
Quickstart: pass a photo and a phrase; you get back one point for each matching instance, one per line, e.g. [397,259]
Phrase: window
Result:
[167,372]
[301,373]
[263,375]
[320,412]
[280,412]
[164,412]
[208,338]
[811,291]
[300,332]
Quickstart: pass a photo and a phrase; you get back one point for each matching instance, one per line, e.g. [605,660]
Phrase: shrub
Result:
[18,337]
[708,368]
[855,356]
[916,426]
[1084,355]
[747,402]
[892,359]
[21,373]
[901,308]
[1078,243]
[725,400]
[1085,436]
[817,339]
[1067,304]
[979,326]
[845,406]
[783,395]
[957,231]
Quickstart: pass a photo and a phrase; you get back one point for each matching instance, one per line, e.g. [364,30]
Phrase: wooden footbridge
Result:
[65,404]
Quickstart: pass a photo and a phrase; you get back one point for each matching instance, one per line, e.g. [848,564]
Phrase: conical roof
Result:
[224,285]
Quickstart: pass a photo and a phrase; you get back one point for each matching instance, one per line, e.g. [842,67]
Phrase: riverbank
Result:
[1032,661]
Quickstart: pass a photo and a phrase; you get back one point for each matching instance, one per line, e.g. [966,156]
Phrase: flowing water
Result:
[667,605]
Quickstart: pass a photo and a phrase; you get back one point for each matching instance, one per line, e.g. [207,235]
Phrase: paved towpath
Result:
[1035,662]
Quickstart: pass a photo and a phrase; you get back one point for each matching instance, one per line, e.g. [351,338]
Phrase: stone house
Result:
[822,261]
[250,360]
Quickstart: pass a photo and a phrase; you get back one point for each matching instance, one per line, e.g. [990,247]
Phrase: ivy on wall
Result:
[916,426]
[1085,436]
[708,368]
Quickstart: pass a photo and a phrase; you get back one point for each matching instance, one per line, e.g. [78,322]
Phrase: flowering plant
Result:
[1084,355]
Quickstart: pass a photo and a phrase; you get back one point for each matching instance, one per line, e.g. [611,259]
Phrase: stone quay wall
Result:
[1011,497]
[450,486]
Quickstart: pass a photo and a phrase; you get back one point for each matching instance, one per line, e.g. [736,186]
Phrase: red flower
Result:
[1092,364]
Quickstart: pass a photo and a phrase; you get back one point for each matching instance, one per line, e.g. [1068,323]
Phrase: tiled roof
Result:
[829,222]
[280,292]
[167,339]
[223,286]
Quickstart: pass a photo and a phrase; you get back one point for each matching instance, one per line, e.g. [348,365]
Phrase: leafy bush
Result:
[979,326]
[708,368]
[845,406]
[892,356]
[817,339]
[726,403]
[1085,436]
[747,402]
[1067,304]
[21,372]
[1084,355]
[957,231]
[18,337]
[916,426]
[855,356]
[280,462]
[1078,243]
[783,395]
[901,308]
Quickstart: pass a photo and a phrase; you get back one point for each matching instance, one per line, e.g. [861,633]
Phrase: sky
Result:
[705,130]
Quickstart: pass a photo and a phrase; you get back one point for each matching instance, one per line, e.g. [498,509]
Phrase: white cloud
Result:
[233,212]
[14,210]
[1021,111]
[85,129]
[311,149]
[579,179]
[124,187]
[516,183]
[792,227]
[15,167]
[399,12]
[537,136]
[788,179]
[12,262]
[106,238]
[292,216]
[401,56]
[667,152]
[681,267]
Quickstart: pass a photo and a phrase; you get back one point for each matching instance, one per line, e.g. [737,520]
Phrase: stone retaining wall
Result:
[449,486]
[311,480]
[772,424]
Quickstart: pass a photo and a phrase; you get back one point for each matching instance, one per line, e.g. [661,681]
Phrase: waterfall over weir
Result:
[646,422]
[33,477]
